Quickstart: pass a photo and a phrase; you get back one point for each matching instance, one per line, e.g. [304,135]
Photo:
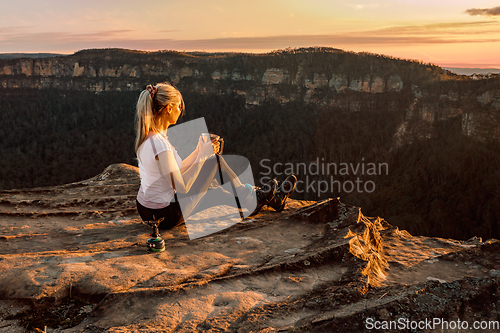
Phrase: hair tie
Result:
[152,90]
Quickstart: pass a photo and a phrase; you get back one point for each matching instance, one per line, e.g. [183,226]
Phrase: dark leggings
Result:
[173,215]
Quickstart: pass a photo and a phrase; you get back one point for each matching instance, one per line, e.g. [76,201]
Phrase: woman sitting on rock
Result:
[166,179]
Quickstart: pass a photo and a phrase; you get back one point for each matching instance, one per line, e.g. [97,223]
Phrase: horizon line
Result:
[54,54]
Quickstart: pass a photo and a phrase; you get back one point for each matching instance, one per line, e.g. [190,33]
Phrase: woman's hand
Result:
[206,149]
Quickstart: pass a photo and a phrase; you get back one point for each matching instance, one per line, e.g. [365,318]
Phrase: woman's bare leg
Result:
[196,200]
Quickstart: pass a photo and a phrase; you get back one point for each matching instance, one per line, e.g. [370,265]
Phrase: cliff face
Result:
[256,77]
[320,76]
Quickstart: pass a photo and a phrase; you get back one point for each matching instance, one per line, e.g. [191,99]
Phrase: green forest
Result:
[444,185]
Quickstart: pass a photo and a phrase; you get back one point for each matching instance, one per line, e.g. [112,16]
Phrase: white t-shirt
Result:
[155,192]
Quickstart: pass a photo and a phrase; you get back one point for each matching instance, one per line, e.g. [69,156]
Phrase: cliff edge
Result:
[73,259]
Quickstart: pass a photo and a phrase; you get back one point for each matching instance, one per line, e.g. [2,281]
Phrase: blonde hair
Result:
[149,115]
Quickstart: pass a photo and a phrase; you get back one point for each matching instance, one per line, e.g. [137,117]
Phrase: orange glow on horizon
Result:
[450,33]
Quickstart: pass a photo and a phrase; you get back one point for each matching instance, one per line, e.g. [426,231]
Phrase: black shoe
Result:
[264,194]
[287,187]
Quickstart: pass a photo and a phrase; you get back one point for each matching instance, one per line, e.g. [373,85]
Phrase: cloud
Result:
[12,35]
[453,28]
[369,6]
[69,44]
[484,11]
[274,42]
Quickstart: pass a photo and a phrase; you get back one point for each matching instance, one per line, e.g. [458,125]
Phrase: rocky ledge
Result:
[73,259]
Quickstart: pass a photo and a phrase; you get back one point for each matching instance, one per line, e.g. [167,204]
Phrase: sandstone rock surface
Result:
[73,259]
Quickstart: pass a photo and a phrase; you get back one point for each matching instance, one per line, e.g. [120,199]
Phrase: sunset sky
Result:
[450,33]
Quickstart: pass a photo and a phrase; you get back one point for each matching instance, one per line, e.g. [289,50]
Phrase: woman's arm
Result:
[188,161]
[184,179]
[193,157]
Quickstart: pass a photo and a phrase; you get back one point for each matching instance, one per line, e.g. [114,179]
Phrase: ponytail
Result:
[144,120]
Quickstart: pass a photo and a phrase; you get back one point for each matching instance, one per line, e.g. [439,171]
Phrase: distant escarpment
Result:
[281,75]
[320,76]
